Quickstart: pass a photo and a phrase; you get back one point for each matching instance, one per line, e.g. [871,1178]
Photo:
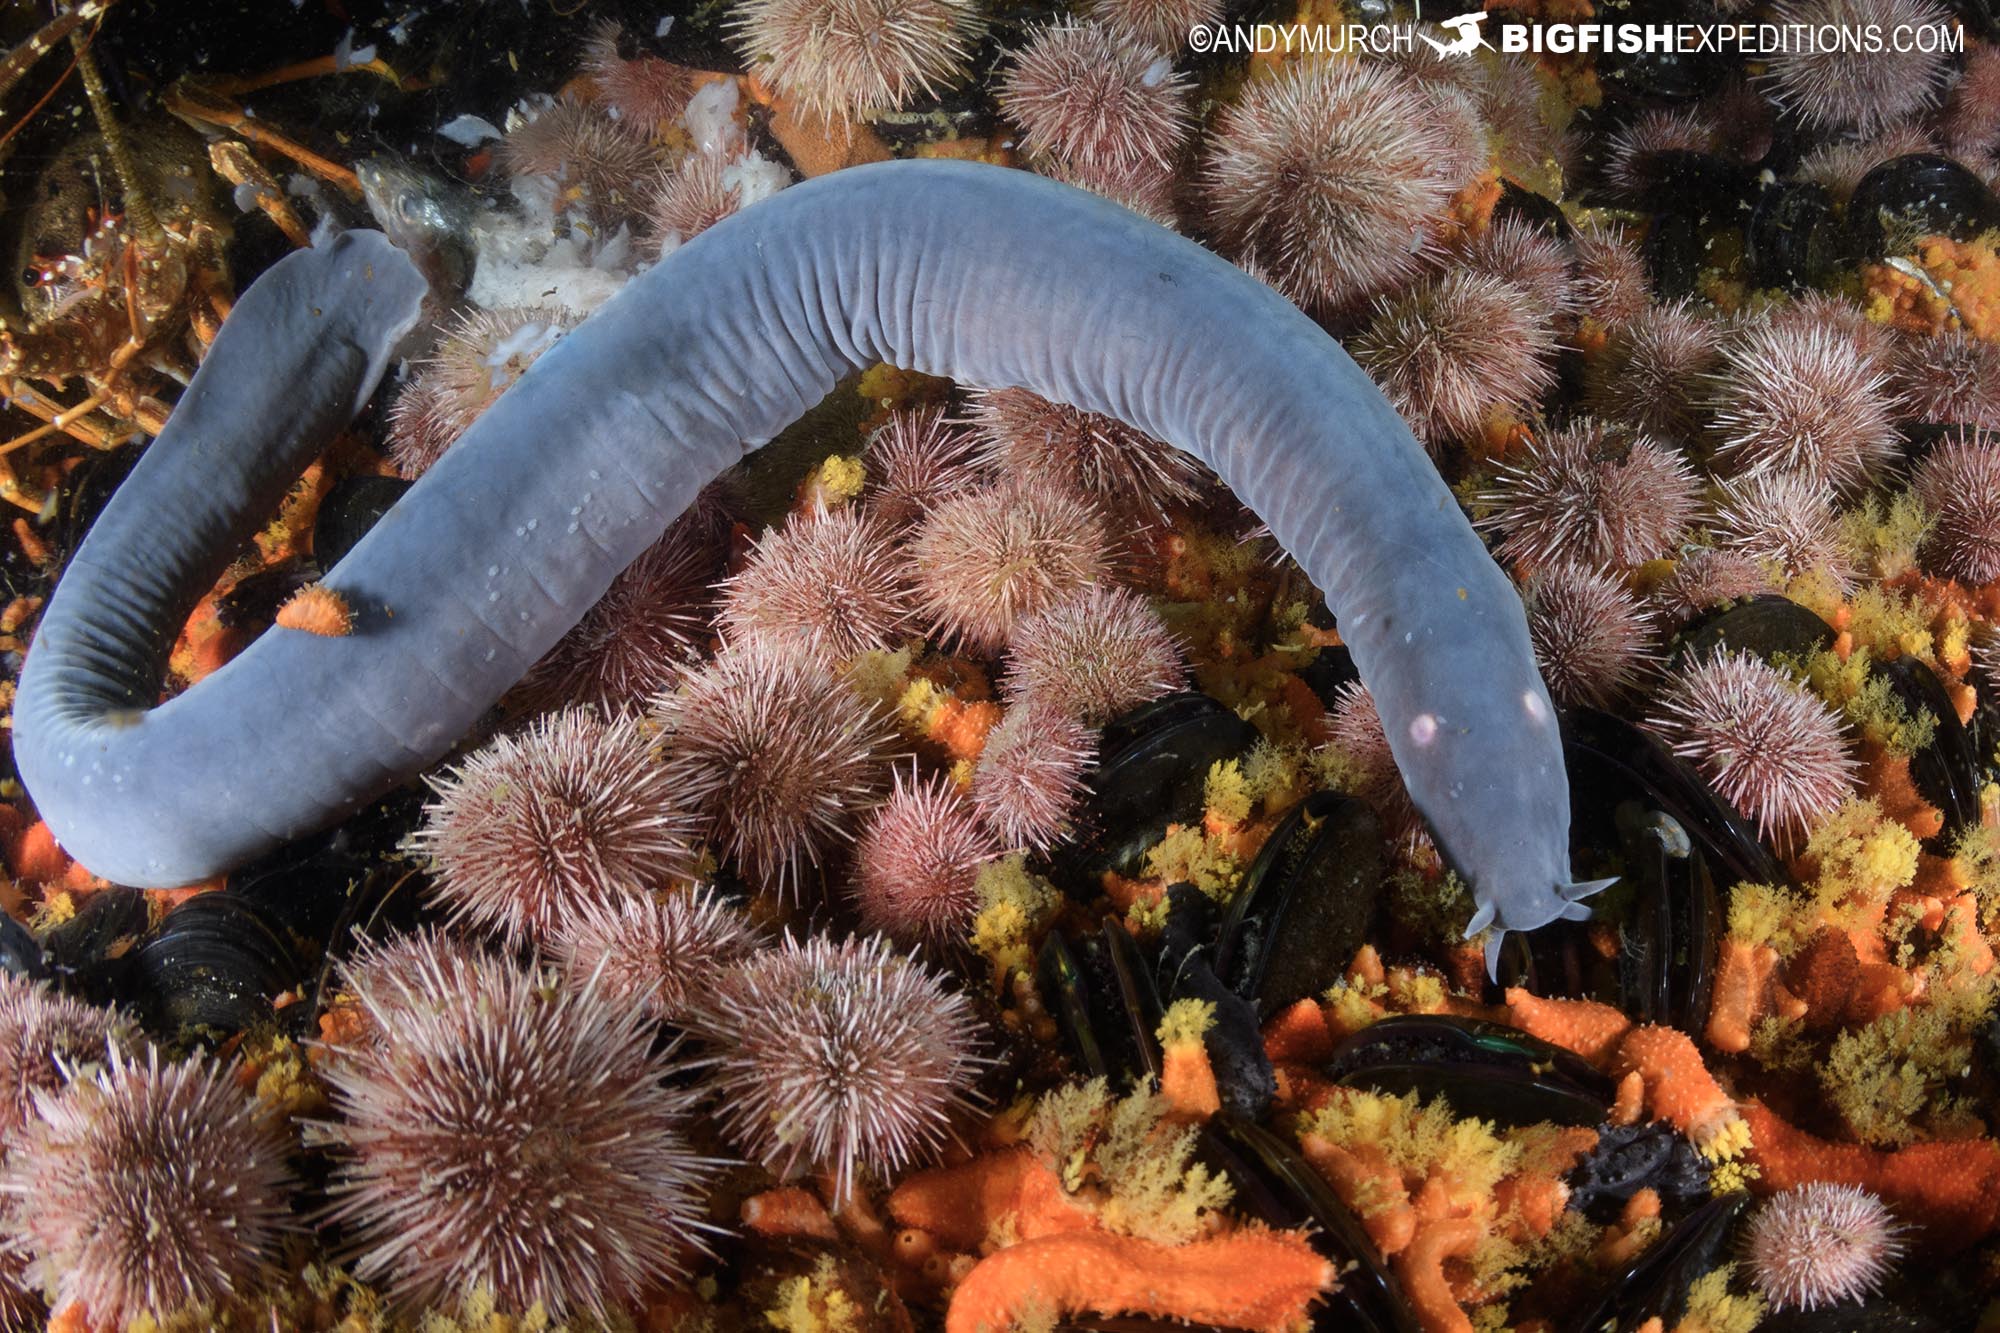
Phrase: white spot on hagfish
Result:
[1424,728]
[1534,707]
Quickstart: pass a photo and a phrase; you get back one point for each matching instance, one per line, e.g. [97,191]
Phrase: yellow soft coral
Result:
[1713,1308]
[1128,1160]
[1015,907]
[1858,858]
[814,1303]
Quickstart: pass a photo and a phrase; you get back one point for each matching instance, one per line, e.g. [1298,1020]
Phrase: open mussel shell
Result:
[213,965]
[1611,762]
[1668,942]
[1917,195]
[1946,771]
[1152,772]
[1278,1187]
[1791,239]
[90,955]
[1102,998]
[1656,1283]
[1305,904]
[1482,1069]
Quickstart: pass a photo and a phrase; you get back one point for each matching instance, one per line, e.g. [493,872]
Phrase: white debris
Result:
[663,27]
[754,177]
[346,55]
[710,119]
[469,131]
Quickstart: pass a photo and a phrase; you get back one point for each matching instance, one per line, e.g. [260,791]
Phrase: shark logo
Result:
[1465,35]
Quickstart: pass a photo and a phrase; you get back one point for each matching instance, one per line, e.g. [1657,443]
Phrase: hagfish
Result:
[990,276]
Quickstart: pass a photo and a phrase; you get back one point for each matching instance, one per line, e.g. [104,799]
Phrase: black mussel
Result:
[1483,1069]
[1918,195]
[1790,240]
[1876,1314]
[1668,942]
[1629,1158]
[1611,762]
[1100,996]
[1946,771]
[1133,994]
[352,506]
[1767,625]
[21,954]
[1326,673]
[1305,904]
[90,954]
[1536,209]
[1234,1041]
[1673,251]
[1278,1187]
[254,601]
[214,964]
[1152,772]
[1656,1283]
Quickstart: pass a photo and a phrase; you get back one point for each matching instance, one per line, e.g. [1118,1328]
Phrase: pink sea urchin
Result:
[1833,85]
[1519,252]
[477,358]
[654,950]
[1767,744]
[1598,498]
[916,459]
[777,755]
[837,1057]
[984,559]
[1164,24]
[1329,177]
[645,93]
[1705,578]
[844,58]
[1821,1243]
[916,868]
[1949,378]
[1099,100]
[41,1034]
[1093,655]
[1452,348]
[688,200]
[1611,285]
[594,163]
[823,585]
[1030,775]
[1960,484]
[1786,518]
[514,1138]
[1125,471]
[147,1188]
[569,809]
[1590,634]
[1803,396]
[1653,372]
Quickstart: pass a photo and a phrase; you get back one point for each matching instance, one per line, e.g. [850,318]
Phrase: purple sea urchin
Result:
[1821,1244]
[1959,482]
[915,460]
[147,1188]
[916,867]
[826,586]
[1948,378]
[512,1138]
[1096,99]
[982,560]
[1611,286]
[690,199]
[1832,85]
[1516,251]
[656,951]
[591,159]
[1632,154]
[1705,578]
[838,59]
[1590,634]
[1453,348]
[1164,24]
[476,358]
[776,755]
[645,93]
[1766,744]
[1654,370]
[1093,655]
[1786,518]
[1022,434]
[1329,177]
[569,809]
[837,1057]
[42,1033]
[1583,495]
[1030,775]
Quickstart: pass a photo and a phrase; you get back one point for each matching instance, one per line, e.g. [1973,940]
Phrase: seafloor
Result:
[956,877]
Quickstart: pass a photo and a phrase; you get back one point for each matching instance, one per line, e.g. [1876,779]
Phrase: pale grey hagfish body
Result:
[990,276]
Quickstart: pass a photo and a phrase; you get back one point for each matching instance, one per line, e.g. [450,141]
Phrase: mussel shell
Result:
[1305,904]
[1668,943]
[1873,1315]
[1673,251]
[1101,998]
[1611,762]
[91,953]
[1153,772]
[1537,209]
[1920,194]
[21,954]
[1483,1069]
[352,506]
[1656,1283]
[1946,771]
[1326,673]
[1790,240]
[1767,625]
[214,964]
[1278,1187]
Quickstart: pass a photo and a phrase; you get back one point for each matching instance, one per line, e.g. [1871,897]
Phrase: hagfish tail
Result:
[989,276]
